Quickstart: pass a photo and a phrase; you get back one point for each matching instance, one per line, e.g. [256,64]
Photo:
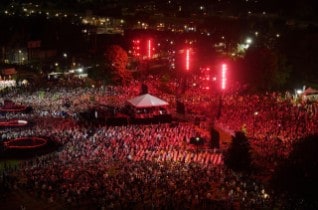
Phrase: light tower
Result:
[136,48]
[187,59]
[149,49]
[223,76]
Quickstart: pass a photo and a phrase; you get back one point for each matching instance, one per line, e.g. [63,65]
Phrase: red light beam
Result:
[223,76]
[188,59]
[149,49]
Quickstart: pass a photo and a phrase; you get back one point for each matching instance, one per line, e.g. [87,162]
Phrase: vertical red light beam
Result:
[223,76]
[188,59]
[149,48]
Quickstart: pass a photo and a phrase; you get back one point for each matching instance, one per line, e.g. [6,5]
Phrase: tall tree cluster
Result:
[116,61]
[265,69]
[297,175]
[238,156]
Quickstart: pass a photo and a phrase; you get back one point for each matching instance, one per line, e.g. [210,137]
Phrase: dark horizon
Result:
[307,9]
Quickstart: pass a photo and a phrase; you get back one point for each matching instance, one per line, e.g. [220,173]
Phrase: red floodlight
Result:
[149,48]
[187,59]
[223,76]
[136,47]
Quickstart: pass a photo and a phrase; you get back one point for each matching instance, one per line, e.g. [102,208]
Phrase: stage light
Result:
[223,76]
[149,49]
[188,59]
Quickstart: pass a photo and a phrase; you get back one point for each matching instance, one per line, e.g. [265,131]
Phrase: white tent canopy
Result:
[310,91]
[147,100]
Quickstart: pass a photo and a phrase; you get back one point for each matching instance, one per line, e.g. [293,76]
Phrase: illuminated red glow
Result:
[136,48]
[149,49]
[143,48]
[223,76]
[187,59]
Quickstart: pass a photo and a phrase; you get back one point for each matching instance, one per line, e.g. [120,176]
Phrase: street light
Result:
[248,41]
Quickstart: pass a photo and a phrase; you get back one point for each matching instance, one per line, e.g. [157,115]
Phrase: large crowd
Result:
[274,122]
[149,166]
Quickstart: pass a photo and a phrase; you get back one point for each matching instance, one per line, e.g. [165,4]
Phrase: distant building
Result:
[24,55]
[15,56]
[37,52]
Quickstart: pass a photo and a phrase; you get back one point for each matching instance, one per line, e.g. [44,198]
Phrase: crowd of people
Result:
[149,166]
[4,83]
[273,122]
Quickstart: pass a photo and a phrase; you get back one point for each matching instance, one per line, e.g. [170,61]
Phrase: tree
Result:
[282,73]
[117,59]
[265,69]
[297,176]
[238,156]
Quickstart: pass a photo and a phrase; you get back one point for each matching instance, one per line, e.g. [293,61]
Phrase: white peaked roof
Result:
[309,91]
[147,100]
